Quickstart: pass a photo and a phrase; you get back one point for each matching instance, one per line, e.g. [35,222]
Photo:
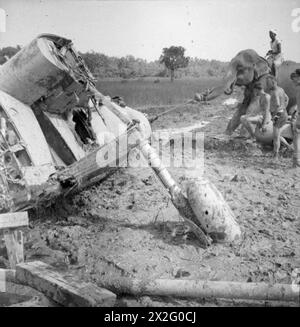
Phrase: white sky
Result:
[210,29]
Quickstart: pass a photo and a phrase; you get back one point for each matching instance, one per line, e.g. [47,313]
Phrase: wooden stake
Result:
[14,245]
[13,237]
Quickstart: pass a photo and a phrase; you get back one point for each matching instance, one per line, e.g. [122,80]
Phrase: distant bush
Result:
[129,67]
[210,72]
[162,73]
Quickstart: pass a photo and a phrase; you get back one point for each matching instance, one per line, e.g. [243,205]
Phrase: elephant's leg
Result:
[249,105]
[236,119]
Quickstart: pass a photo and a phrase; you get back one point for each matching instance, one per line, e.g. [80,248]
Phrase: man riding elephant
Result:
[248,68]
[274,56]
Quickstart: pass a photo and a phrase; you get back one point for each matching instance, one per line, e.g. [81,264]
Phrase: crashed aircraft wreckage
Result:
[58,134]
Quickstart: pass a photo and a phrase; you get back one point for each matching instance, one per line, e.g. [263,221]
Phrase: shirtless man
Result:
[278,103]
[262,117]
[295,77]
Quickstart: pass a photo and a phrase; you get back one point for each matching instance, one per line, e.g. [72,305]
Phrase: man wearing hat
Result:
[274,56]
[295,77]
[262,116]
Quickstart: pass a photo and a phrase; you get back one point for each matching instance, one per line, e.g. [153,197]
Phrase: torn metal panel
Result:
[68,134]
[20,119]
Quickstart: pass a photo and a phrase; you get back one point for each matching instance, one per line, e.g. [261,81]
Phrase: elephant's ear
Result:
[261,67]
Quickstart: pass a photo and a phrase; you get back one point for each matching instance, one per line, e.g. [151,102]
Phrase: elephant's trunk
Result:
[226,86]
[230,89]
[229,81]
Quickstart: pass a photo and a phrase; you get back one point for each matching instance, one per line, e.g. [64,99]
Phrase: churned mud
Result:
[127,226]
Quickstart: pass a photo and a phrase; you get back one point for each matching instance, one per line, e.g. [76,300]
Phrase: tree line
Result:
[103,66]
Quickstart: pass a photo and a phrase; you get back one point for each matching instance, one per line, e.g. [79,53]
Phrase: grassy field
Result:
[143,92]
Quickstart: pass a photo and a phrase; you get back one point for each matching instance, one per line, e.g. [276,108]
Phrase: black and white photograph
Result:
[150,156]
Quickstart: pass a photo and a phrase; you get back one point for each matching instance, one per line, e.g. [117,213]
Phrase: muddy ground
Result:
[126,225]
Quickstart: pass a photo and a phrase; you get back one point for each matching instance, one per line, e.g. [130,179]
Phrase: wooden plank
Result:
[13,220]
[63,289]
[14,245]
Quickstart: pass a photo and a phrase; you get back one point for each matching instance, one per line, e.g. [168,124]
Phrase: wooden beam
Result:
[65,290]
[13,220]
[14,245]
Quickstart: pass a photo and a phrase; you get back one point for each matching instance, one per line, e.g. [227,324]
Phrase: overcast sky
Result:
[210,29]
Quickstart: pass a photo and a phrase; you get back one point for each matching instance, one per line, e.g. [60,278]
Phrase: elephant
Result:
[245,69]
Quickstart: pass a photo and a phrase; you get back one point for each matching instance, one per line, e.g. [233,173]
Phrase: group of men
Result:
[271,110]
[273,103]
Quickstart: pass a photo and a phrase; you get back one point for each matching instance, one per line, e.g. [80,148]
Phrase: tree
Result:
[92,59]
[173,58]
[8,52]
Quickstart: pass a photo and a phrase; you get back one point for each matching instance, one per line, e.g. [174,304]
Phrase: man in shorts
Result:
[278,103]
[263,116]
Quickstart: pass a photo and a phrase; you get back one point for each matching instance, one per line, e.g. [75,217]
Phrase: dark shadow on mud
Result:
[172,233]
[262,163]
[233,144]
[8,299]
[238,148]
[72,204]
